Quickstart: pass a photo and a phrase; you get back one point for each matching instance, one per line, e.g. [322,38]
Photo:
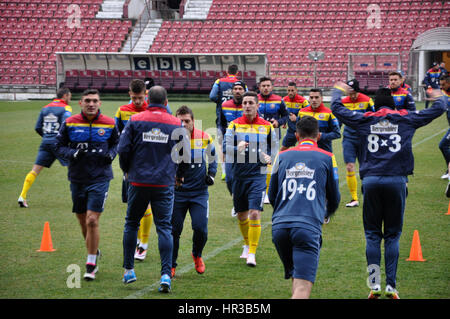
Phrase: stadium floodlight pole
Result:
[315,56]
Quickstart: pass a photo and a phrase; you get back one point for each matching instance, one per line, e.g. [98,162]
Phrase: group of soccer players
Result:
[249,130]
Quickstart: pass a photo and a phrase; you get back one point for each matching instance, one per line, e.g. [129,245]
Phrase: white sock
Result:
[91,259]
[223,168]
[143,246]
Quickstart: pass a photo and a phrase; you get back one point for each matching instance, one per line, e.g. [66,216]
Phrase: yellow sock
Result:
[243,226]
[144,228]
[29,180]
[352,185]
[268,176]
[254,233]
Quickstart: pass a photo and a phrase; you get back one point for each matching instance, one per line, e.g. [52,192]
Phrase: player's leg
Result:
[162,207]
[395,201]
[240,204]
[138,199]
[199,211]
[144,234]
[306,251]
[256,194]
[29,180]
[350,149]
[444,146]
[372,222]
[180,208]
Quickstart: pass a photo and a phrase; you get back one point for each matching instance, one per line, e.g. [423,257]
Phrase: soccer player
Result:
[138,103]
[386,141]
[89,141]
[402,98]
[304,176]
[444,144]
[294,103]
[231,110]
[250,144]
[47,126]
[148,154]
[328,124]
[193,194]
[361,103]
[221,92]
[431,80]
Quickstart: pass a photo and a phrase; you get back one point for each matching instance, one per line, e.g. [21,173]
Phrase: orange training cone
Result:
[46,242]
[448,210]
[416,251]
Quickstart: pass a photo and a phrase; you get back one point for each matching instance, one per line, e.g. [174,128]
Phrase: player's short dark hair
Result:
[184,109]
[264,78]
[383,98]
[251,93]
[307,126]
[137,86]
[61,92]
[157,95]
[316,90]
[292,84]
[233,69]
[395,73]
[89,92]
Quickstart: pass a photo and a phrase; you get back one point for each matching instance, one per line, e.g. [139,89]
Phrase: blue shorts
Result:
[350,149]
[289,139]
[89,197]
[249,194]
[46,155]
[299,251]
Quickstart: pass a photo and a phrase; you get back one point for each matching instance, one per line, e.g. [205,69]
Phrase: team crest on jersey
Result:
[272,106]
[101,132]
[261,129]
[155,136]
[384,127]
[321,116]
[199,143]
[300,170]
[361,105]
[399,98]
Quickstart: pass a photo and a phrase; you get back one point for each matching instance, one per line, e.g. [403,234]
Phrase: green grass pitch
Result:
[26,273]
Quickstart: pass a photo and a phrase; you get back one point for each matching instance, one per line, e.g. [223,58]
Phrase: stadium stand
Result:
[286,31]
[31,33]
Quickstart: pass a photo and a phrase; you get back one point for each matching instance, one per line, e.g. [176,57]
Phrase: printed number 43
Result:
[291,186]
[374,143]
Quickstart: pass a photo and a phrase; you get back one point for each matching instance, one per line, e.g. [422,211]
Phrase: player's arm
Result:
[273,186]
[214,94]
[113,142]
[212,158]
[332,187]
[334,130]
[118,121]
[410,105]
[62,144]
[125,146]
[425,116]
[284,114]
[67,112]
[38,126]
[344,115]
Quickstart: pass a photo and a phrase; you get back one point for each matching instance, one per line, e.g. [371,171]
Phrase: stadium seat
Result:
[111,80]
[125,77]
[98,79]
[207,80]
[167,79]
[194,81]
[84,79]
[180,80]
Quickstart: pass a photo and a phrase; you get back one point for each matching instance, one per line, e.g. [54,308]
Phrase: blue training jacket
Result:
[304,187]
[51,118]
[149,147]
[386,135]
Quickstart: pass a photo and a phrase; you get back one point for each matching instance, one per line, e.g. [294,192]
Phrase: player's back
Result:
[304,179]
[51,118]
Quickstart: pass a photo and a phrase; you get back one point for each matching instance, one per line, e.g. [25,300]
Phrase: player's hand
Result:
[292,117]
[108,159]
[319,136]
[274,123]
[434,94]
[242,146]
[266,158]
[179,181]
[343,86]
[209,180]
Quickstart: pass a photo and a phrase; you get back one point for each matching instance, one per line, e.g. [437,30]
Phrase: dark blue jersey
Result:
[304,187]
[386,136]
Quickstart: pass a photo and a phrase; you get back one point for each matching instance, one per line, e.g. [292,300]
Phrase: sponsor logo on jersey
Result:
[384,127]
[300,170]
[50,118]
[155,136]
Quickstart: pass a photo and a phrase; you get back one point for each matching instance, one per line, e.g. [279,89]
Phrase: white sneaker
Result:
[244,254]
[266,200]
[251,260]
[22,202]
[445,176]
[233,212]
[140,254]
[391,293]
[353,203]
